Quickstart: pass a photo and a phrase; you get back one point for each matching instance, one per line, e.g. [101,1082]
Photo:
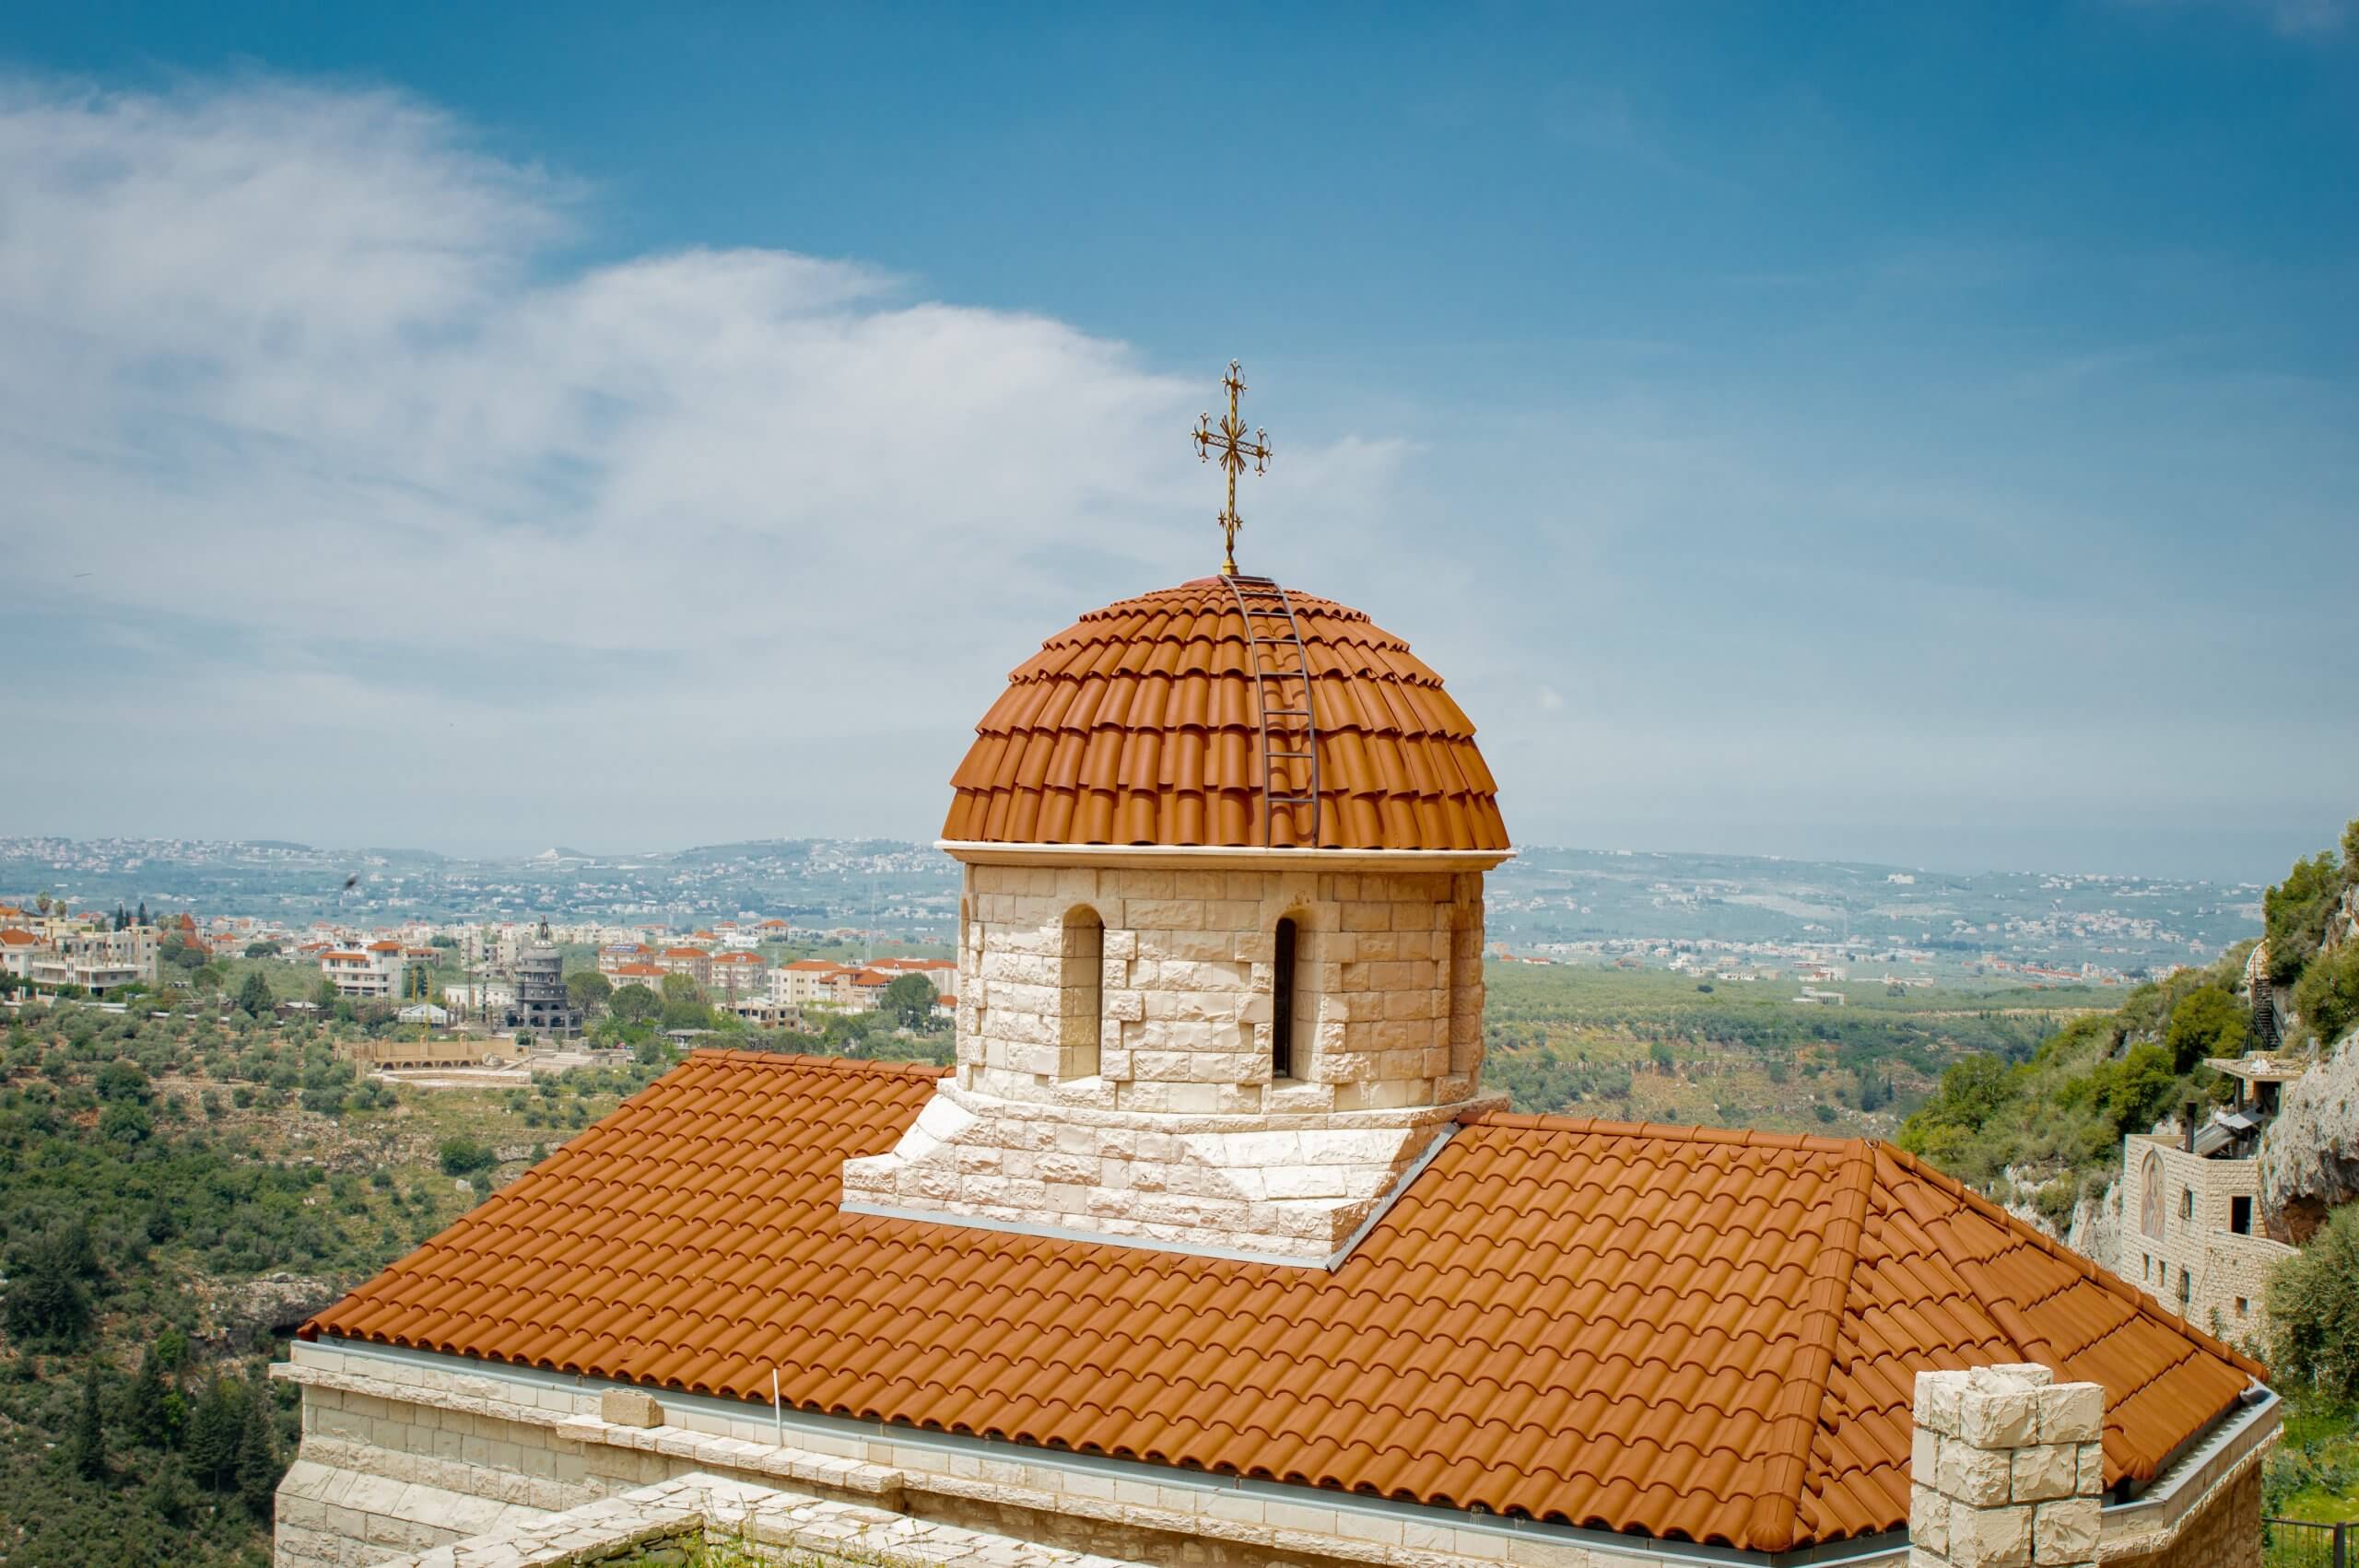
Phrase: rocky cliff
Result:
[2309,1156]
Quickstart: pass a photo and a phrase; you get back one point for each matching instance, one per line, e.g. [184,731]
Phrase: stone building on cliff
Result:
[1211,1247]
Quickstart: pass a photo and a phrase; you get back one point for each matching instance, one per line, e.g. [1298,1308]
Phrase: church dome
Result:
[1144,723]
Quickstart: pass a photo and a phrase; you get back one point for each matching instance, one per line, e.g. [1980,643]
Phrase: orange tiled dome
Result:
[1141,724]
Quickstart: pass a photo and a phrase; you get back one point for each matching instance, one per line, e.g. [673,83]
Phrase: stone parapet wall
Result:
[516,1452]
[405,1453]
[2224,1533]
[656,1525]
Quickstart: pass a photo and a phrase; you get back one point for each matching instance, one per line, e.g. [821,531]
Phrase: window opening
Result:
[1282,971]
[1081,994]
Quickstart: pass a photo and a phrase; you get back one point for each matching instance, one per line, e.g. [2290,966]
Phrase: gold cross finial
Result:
[1227,441]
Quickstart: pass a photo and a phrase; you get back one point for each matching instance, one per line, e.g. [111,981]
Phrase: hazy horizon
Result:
[2255,850]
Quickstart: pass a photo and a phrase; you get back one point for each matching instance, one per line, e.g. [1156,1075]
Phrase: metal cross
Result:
[1227,441]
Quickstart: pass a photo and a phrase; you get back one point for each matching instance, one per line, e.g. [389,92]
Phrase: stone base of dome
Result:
[1279,1189]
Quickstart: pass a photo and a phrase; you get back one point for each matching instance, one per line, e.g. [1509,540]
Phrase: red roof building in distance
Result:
[1211,1245]
[616,955]
[738,974]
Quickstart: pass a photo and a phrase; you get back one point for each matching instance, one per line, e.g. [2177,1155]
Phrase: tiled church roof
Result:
[1699,1335]
[1140,724]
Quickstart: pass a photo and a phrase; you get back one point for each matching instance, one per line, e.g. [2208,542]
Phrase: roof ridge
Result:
[835,1063]
[1795,1422]
[1672,1131]
[2138,1299]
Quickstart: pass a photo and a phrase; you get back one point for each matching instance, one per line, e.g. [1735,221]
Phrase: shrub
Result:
[2314,1305]
[2328,996]
[463,1156]
[2208,1022]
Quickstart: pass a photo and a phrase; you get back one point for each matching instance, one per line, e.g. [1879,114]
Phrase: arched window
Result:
[1080,995]
[1282,999]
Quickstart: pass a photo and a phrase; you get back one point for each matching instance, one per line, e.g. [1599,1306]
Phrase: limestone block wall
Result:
[403,1455]
[2007,1469]
[1387,997]
[2193,1263]
[1117,1074]
[2226,1534]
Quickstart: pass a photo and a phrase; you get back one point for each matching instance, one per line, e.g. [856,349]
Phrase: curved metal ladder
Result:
[1276,658]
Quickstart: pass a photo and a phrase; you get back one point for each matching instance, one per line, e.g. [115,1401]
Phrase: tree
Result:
[909,1000]
[258,1467]
[2328,996]
[88,1446]
[213,1430]
[461,1155]
[206,977]
[1971,1090]
[684,1003]
[324,993]
[2135,1091]
[2208,1022]
[152,1417]
[261,950]
[126,1121]
[122,1080]
[49,1293]
[254,996]
[2314,1309]
[588,990]
[2295,913]
[634,1003]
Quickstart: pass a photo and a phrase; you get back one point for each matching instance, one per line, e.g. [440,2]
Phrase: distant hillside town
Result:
[1738,917]
[498,974]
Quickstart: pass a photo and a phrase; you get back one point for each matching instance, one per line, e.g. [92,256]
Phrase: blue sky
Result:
[1920,434]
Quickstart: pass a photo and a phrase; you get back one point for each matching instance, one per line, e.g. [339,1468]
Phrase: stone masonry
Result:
[2007,1471]
[2176,1241]
[1136,1099]
[402,1454]
[400,1458]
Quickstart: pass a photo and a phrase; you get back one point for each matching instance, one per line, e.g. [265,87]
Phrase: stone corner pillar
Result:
[2007,1469]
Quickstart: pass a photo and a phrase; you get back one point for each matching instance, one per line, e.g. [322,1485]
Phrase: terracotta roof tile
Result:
[1687,1333]
[1141,724]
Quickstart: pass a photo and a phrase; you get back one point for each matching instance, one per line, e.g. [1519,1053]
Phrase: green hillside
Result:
[2061,1112]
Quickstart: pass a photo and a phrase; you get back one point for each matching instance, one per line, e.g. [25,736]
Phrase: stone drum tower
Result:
[1220,981]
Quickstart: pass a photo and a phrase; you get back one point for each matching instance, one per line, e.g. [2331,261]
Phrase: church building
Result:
[1211,1247]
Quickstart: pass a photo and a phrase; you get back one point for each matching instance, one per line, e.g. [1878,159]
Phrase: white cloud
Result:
[304,373]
